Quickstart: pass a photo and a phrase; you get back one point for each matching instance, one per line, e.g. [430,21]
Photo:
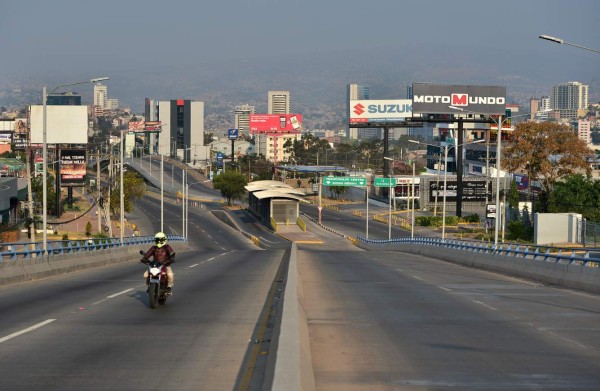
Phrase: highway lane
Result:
[93,330]
[351,225]
[395,321]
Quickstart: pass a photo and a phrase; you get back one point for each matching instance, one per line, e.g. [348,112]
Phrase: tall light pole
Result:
[562,42]
[45,155]
[391,193]
[122,195]
[446,148]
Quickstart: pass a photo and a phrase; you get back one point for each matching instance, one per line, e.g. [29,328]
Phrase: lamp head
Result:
[97,79]
[552,39]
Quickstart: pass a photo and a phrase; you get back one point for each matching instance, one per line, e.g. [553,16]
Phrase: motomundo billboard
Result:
[379,111]
[285,123]
[436,99]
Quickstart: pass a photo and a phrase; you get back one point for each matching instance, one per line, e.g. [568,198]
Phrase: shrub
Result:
[472,218]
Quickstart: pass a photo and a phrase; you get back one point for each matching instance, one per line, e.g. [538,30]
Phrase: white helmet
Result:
[160,239]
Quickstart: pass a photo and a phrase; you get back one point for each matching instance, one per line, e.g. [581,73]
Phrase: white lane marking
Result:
[119,293]
[194,265]
[485,305]
[446,289]
[400,270]
[36,326]
[418,278]
[266,240]
[566,339]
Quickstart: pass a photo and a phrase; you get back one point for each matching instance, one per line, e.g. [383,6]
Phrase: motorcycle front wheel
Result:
[153,294]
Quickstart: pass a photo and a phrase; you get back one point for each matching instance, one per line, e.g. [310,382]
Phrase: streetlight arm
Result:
[562,41]
[95,80]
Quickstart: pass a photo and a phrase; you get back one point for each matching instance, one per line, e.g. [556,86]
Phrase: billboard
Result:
[20,135]
[72,167]
[136,126]
[152,126]
[380,111]
[285,123]
[64,124]
[472,191]
[437,99]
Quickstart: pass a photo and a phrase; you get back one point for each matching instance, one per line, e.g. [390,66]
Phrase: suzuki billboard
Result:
[379,111]
[438,99]
[285,123]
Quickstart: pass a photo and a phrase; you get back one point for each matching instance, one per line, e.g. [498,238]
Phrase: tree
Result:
[547,151]
[578,195]
[134,187]
[231,184]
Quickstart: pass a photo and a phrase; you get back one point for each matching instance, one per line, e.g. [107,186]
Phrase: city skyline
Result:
[228,58]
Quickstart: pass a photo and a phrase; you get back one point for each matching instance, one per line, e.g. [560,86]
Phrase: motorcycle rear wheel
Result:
[153,294]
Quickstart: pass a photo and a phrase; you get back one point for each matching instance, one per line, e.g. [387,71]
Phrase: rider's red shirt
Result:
[165,254]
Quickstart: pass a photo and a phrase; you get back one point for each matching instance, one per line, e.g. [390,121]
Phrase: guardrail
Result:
[15,250]
[583,257]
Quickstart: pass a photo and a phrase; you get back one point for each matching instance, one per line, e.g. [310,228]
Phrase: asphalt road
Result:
[377,320]
[93,330]
[395,321]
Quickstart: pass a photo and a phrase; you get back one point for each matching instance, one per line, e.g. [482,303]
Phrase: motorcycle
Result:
[157,281]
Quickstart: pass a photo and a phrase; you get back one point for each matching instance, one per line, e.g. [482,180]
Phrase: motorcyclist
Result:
[162,252]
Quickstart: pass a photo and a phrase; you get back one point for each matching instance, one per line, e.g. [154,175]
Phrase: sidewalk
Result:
[73,222]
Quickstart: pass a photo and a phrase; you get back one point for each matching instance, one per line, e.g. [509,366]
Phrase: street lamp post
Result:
[562,42]
[391,194]
[45,155]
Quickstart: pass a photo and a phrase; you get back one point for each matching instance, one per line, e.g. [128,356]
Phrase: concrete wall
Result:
[569,275]
[554,228]
[24,269]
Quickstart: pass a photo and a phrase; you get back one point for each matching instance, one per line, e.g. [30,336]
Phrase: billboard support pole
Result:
[459,168]
[57,180]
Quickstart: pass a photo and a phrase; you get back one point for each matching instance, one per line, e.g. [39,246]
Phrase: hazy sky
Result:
[48,39]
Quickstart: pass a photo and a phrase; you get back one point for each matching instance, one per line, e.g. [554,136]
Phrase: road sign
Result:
[232,134]
[344,181]
[385,182]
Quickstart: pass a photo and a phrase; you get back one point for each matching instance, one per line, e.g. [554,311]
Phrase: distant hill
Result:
[318,83]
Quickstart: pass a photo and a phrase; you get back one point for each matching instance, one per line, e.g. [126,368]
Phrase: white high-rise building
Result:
[279,102]
[570,100]
[100,95]
[242,118]
[570,96]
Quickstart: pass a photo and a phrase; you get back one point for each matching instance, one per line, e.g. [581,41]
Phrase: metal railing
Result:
[584,257]
[15,250]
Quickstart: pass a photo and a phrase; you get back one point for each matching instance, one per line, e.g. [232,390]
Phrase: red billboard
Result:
[285,123]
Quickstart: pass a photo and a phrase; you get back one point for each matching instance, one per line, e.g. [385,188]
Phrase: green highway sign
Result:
[385,182]
[344,181]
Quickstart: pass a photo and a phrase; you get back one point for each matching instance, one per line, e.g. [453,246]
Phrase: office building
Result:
[64,99]
[356,92]
[112,104]
[100,95]
[183,129]
[570,99]
[534,107]
[584,131]
[242,118]
[278,102]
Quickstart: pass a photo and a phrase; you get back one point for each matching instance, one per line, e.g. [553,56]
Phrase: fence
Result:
[60,247]
[588,233]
